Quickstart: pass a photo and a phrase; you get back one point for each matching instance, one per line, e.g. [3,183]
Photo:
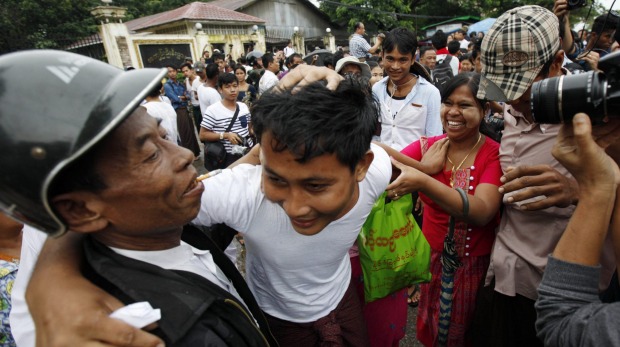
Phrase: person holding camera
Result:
[523,47]
[599,42]
[569,310]
[228,122]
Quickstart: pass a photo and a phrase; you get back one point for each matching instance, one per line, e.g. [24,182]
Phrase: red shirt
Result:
[486,169]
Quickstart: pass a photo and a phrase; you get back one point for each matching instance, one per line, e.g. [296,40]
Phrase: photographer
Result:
[569,310]
[599,42]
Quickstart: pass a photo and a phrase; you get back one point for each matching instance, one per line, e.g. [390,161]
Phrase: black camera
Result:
[573,4]
[597,94]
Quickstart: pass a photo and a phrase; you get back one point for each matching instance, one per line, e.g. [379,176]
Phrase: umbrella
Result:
[321,54]
[256,54]
[482,26]
[449,264]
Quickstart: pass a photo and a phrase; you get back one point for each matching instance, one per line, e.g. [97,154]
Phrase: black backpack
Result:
[443,72]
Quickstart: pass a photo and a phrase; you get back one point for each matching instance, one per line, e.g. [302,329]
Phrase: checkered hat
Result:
[515,49]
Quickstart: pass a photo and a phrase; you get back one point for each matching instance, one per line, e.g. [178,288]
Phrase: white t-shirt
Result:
[168,116]
[207,96]
[294,277]
[22,326]
[268,80]
[193,89]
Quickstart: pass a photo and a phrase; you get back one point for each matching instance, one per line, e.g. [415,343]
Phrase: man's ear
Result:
[362,166]
[81,211]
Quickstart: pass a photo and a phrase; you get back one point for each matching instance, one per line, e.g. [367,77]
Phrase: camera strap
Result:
[233,119]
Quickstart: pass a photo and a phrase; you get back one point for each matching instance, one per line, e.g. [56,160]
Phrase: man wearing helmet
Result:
[110,172]
[129,170]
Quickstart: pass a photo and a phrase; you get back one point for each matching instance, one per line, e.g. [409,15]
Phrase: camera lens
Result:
[558,99]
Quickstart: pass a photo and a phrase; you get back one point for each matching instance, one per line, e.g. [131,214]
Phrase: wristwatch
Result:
[221,136]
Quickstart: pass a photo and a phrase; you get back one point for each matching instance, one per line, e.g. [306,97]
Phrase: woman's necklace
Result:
[462,161]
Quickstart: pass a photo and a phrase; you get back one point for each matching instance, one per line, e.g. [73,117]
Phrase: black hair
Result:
[454,46]
[239,67]
[226,78]
[439,39]
[218,56]
[242,60]
[156,91]
[294,55]
[372,64]
[605,22]
[466,56]
[315,121]
[267,58]
[358,25]
[617,33]
[424,49]
[402,39]
[212,71]
[471,79]
[171,67]
[328,59]
[188,65]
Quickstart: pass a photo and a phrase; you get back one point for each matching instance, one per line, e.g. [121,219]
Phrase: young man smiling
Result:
[409,102]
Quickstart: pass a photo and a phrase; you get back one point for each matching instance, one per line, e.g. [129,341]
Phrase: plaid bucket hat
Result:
[514,51]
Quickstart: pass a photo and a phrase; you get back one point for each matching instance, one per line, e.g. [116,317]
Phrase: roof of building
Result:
[198,11]
[238,5]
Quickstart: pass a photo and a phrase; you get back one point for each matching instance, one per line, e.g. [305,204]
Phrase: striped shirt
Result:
[358,46]
[218,117]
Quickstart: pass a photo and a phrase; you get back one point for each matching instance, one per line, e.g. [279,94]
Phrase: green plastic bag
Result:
[394,253]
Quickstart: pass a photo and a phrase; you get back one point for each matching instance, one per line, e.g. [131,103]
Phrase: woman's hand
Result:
[408,181]
[434,160]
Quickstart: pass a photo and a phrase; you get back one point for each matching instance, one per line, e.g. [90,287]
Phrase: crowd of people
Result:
[297,156]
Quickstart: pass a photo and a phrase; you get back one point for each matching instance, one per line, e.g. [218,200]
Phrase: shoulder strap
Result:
[233,119]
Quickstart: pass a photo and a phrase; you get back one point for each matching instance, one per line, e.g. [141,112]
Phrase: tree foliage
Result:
[385,15]
[27,24]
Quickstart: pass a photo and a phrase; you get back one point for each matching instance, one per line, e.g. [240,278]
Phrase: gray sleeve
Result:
[569,310]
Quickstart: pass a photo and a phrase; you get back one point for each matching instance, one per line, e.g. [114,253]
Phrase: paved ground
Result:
[410,340]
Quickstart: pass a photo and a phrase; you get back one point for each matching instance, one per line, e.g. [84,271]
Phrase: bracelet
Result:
[221,136]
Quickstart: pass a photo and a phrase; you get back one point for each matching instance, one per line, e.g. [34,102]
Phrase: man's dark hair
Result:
[212,71]
[358,25]
[291,57]
[218,56]
[337,56]
[242,60]
[605,22]
[401,38]
[188,65]
[315,121]
[171,67]
[424,49]
[156,91]
[453,47]
[226,78]
[328,59]
[470,79]
[439,40]
[267,58]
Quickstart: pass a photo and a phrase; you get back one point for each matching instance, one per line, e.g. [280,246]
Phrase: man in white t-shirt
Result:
[301,211]
[269,78]
[207,92]
[288,50]
[192,82]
